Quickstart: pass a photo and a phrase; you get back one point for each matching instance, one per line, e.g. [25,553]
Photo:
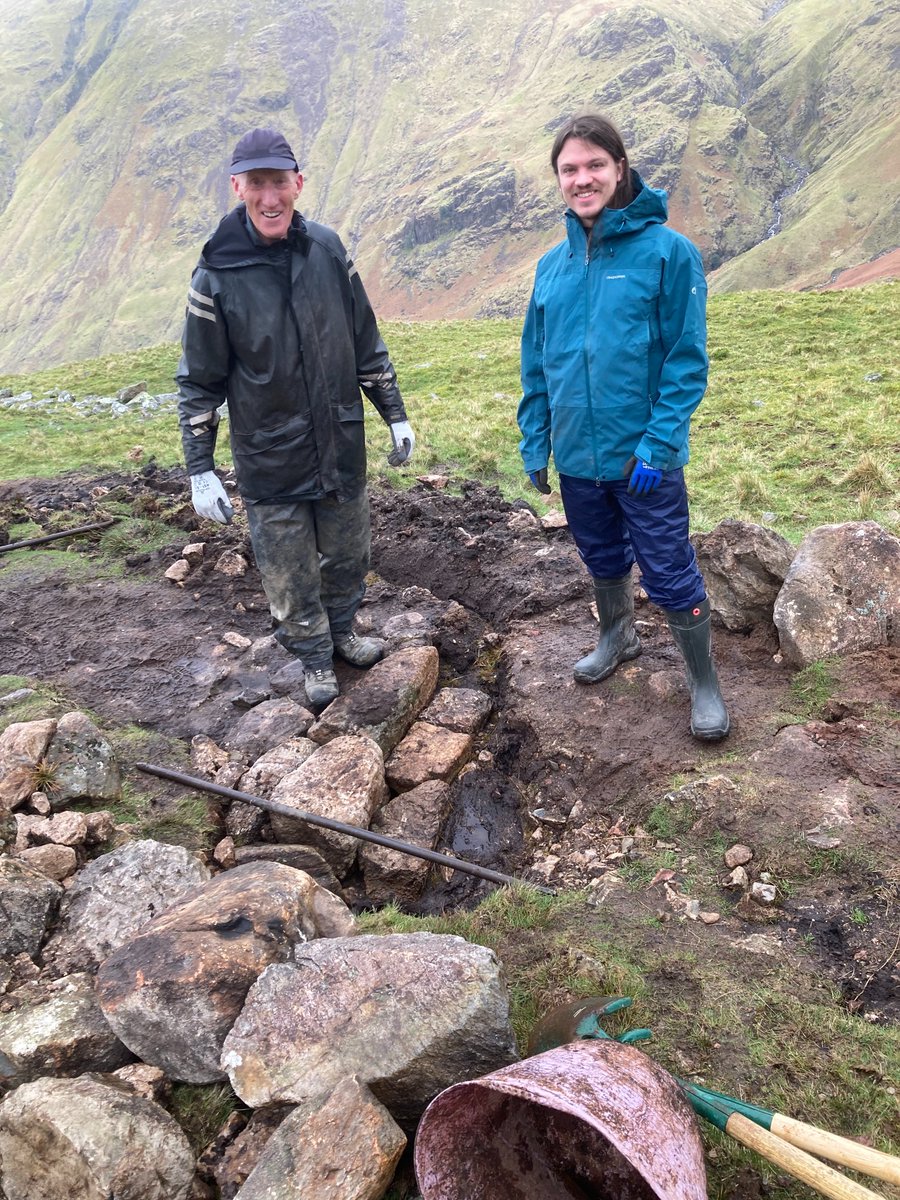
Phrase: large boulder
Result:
[300,857]
[172,993]
[67,828]
[841,594]
[22,747]
[115,895]
[407,1014]
[343,1147]
[270,768]
[267,725]
[416,817]
[427,752]
[82,763]
[744,566]
[91,1139]
[464,710]
[245,822]
[56,862]
[343,781]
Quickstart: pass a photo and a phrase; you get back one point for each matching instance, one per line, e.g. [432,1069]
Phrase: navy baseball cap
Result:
[260,149]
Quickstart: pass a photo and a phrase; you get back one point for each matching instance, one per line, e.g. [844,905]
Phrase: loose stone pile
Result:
[134,398]
[146,965]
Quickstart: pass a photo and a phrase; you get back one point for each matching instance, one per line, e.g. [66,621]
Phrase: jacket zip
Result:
[289,289]
[587,342]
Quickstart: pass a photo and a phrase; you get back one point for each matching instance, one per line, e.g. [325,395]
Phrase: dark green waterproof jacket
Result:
[614,345]
[286,335]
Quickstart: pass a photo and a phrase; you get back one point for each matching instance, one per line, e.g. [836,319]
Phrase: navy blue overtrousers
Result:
[613,530]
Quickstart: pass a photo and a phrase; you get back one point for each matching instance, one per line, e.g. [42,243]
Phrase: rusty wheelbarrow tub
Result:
[590,1120]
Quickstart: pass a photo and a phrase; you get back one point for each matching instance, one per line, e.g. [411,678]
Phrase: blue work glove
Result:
[644,478]
[210,499]
[404,440]
[539,481]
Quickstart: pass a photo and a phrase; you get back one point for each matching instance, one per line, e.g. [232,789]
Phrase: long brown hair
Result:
[599,131]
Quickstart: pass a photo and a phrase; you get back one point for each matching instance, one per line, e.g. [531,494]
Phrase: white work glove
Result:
[210,499]
[404,440]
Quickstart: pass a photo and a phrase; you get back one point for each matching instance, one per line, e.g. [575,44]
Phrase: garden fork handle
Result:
[796,1162]
[839,1149]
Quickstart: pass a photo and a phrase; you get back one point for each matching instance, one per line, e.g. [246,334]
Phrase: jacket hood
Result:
[649,207]
[233,246]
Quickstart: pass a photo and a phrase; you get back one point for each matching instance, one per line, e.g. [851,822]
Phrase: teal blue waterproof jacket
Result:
[614,345]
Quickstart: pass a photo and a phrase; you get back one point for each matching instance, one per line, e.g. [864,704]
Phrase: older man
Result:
[279,325]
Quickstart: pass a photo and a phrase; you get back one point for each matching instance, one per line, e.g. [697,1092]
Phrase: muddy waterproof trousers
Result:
[313,556]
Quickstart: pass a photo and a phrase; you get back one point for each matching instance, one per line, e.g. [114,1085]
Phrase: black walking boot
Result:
[709,716]
[618,638]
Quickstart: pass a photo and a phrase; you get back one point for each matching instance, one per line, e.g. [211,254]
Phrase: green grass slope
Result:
[799,427]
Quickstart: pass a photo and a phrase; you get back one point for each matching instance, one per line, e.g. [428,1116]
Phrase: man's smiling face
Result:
[269,196]
[588,177]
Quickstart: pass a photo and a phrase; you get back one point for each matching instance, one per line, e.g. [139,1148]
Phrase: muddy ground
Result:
[601,787]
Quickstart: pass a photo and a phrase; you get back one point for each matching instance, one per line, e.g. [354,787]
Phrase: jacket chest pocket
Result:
[625,302]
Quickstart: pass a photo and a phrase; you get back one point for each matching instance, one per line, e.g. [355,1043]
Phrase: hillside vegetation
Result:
[799,427]
[423,130]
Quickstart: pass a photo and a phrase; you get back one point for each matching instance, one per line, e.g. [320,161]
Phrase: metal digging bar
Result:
[62,533]
[365,835]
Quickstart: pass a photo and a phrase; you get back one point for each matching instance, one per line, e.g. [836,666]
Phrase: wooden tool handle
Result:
[839,1149]
[797,1162]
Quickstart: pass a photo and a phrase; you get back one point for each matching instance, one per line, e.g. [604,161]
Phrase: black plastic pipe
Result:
[52,537]
[365,835]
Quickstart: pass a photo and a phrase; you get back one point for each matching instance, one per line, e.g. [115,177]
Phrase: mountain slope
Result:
[424,130]
[829,100]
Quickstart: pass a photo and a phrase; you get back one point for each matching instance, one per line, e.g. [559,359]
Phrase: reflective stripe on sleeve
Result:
[202,423]
[378,379]
[201,306]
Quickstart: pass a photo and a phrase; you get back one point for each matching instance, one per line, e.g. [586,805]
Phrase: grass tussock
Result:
[813,686]
[201,1110]
[188,822]
[868,476]
[136,534]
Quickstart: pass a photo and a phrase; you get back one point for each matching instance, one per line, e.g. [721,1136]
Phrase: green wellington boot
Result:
[709,716]
[618,638]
